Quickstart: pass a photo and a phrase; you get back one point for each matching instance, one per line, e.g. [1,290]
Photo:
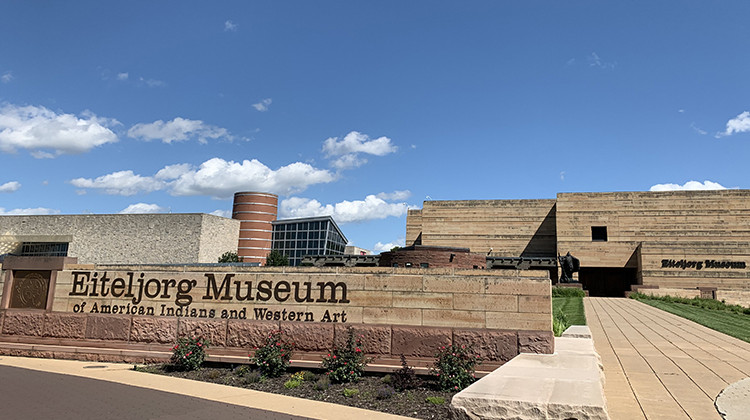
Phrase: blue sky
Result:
[365,109]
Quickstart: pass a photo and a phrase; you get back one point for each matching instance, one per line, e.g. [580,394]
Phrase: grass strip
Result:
[571,307]
[726,321]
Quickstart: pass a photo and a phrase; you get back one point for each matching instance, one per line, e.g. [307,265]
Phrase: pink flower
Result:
[334,356]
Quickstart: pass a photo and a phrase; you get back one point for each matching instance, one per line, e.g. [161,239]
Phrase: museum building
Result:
[689,243]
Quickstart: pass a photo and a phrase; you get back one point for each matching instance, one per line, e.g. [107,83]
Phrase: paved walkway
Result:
[660,366]
[66,389]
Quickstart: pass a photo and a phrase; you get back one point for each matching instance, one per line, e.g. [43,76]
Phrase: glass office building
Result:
[296,238]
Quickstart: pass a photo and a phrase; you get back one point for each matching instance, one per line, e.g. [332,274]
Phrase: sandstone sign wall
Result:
[410,311]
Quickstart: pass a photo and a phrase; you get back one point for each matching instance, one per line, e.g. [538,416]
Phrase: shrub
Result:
[350,392]
[322,383]
[229,257]
[242,370]
[308,376]
[387,379]
[560,323]
[276,259]
[346,363]
[435,400]
[273,358]
[384,393]
[292,383]
[405,378]
[254,377]
[189,353]
[454,367]
[567,292]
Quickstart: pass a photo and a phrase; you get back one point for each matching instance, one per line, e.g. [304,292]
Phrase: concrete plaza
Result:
[660,366]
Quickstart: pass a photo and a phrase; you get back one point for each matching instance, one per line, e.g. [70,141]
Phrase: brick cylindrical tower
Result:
[255,211]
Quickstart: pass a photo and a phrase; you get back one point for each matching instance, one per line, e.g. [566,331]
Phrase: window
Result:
[407,264]
[44,249]
[599,233]
[395,264]
[427,265]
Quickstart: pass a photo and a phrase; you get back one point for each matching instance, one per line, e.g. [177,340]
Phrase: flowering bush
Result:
[189,353]
[273,358]
[405,378]
[346,363]
[454,367]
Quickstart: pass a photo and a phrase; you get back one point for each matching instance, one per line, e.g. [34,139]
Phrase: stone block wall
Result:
[397,311]
[512,228]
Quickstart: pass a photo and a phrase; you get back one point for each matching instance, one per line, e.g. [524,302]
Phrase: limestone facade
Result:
[126,238]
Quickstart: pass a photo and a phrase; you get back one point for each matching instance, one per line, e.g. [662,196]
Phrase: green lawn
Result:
[572,307]
[728,322]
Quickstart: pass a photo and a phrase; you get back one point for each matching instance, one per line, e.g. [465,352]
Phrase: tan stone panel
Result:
[519,287]
[394,282]
[422,300]
[475,302]
[454,284]
[371,298]
[443,318]
[399,316]
[519,321]
[537,304]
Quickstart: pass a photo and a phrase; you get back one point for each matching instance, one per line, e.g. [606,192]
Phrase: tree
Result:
[276,259]
[229,257]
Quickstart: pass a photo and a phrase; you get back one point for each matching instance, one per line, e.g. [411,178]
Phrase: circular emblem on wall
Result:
[31,290]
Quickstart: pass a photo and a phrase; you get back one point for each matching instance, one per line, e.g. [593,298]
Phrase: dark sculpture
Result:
[569,265]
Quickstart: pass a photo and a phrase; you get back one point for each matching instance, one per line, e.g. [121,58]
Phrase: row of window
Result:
[319,225]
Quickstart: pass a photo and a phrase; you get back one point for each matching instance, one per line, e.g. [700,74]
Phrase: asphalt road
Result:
[30,394]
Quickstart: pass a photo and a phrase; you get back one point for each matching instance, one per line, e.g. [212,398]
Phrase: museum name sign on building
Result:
[699,265]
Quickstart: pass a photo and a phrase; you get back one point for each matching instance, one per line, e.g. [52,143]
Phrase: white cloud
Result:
[698,129]
[263,105]
[222,213]
[11,186]
[28,212]
[385,247]
[120,183]
[595,61]
[46,134]
[6,77]
[215,177]
[371,208]
[152,82]
[140,208]
[347,150]
[690,185]
[220,178]
[394,196]
[738,124]
[122,76]
[179,129]
[230,26]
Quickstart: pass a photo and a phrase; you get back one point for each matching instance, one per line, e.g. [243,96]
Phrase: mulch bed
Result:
[373,390]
